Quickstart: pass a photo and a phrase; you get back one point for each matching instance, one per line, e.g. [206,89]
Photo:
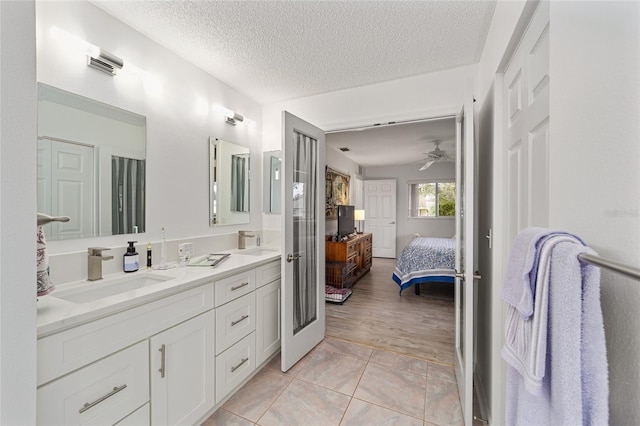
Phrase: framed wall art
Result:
[336,192]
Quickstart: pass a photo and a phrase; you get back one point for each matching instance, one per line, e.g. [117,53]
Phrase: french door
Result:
[464,282]
[303,311]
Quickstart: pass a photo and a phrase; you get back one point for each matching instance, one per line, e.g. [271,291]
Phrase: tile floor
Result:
[343,383]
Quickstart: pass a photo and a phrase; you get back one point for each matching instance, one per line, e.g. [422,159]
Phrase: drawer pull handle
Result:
[244,317]
[88,405]
[162,361]
[239,286]
[239,365]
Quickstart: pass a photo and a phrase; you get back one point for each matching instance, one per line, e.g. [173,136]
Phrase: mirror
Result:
[272,167]
[91,166]
[229,168]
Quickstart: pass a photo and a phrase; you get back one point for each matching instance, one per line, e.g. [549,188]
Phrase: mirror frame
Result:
[221,190]
[87,134]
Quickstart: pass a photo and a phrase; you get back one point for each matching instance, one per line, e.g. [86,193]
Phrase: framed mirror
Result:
[229,171]
[91,166]
[272,168]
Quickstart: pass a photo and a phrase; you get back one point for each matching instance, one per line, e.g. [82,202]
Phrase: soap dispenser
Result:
[131,259]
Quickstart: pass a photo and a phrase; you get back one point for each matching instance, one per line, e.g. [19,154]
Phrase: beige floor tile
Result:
[334,371]
[255,397]
[347,348]
[401,362]
[363,413]
[225,418]
[393,389]
[442,372]
[293,371]
[443,403]
[304,403]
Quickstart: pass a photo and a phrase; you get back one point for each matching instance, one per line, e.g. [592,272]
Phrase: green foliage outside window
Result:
[432,199]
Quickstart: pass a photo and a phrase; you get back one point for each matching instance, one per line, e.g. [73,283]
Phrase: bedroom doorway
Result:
[380,208]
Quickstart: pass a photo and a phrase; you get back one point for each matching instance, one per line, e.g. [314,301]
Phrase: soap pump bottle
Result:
[131,259]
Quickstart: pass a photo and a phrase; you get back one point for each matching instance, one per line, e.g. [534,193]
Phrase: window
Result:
[432,199]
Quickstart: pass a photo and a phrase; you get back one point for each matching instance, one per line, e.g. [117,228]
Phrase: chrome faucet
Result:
[95,262]
[241,238]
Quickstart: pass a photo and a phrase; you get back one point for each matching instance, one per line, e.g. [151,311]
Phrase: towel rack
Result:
[621,268]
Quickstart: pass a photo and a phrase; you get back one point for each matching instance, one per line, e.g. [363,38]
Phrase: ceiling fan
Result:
[436,155]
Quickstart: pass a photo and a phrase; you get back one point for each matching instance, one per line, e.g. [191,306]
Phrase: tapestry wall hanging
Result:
[336,192]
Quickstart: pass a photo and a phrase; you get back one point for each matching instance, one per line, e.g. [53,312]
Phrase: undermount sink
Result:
[96,290]
[257,251]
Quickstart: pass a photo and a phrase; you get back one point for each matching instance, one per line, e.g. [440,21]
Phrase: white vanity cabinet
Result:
[182,365]
[101,393]
[267,311]
[169,360]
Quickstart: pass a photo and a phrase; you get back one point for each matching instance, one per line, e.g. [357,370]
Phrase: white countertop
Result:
[56,314]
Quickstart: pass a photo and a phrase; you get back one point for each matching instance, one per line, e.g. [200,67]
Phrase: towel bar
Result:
[621,268]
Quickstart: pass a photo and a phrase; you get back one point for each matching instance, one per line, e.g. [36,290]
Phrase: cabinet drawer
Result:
[234,365]
[71,349]
[234,286]
[235,320]
[102,393]
[352,248]
[139,417]
[267,273]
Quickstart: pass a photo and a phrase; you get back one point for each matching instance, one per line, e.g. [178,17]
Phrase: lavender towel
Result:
[520,275]
[525,343]
[575,386]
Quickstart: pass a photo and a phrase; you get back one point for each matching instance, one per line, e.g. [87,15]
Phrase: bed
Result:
[426,260]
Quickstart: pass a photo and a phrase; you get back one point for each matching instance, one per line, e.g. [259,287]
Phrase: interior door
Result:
[303,313]
[464,282]
[380,219]
[70,175]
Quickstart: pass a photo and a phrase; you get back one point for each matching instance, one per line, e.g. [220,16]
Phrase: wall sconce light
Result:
[104,61]
[233,118]
[359,216]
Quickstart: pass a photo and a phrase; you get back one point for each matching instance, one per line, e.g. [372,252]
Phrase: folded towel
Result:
[575,385]
[525,342]
[519,280]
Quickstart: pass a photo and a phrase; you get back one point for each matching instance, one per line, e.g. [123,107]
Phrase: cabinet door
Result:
[268,324]
[182,372]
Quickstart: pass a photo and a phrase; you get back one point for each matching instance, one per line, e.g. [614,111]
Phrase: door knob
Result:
[292,257]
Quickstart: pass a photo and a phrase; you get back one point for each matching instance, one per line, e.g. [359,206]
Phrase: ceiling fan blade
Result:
[427,165]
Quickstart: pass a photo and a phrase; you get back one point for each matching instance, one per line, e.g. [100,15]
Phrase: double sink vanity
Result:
[156,346]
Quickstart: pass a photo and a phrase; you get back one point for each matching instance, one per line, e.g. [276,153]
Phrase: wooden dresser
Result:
[356,250]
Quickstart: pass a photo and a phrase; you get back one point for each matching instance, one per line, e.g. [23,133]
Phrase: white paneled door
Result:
[380,219]
[526,120]
[67,184]
[303,311]
[465,258]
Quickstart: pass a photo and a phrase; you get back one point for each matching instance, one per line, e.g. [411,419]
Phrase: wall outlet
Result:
[185,251]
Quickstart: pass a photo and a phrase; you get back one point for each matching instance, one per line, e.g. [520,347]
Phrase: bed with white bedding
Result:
[426,260]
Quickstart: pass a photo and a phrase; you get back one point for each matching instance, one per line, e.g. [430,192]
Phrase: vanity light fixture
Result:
[104,61]
[233,118]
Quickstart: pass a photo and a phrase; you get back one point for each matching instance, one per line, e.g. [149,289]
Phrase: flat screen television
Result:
[346,223]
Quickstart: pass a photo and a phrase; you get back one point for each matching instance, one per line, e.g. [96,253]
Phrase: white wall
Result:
[17,214]
[428,95]
[443,227]
[180,120]
[595,165]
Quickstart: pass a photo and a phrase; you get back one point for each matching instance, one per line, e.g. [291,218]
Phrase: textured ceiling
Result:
[279,50]
[395,145]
